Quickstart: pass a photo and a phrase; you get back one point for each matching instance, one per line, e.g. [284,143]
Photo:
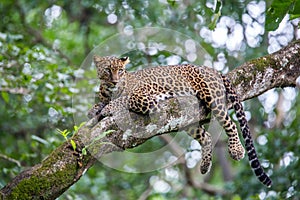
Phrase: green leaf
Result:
[218,7]
[84,151]
[5,96]
[208,48]
[39,139]
[172,3]
[102,135]
[212,25]
[295,10]
[76,128]
[294,16]
[73,144]
[276,13]
[64,133]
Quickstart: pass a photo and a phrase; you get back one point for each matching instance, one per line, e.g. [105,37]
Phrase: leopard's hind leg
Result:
[217,104]
[204,139]
[235,148]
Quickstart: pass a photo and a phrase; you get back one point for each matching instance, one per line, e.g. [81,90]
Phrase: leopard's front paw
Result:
[237,152]
[95,110]
[106,111]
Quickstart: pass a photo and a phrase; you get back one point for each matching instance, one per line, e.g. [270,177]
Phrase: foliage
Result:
[44,43]
[65,133]
[278,10]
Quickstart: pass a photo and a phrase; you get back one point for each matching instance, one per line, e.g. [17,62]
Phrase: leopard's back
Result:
[163,82]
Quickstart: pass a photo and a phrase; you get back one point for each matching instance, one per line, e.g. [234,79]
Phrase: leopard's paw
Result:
[237,152]
[106,111]
[95,110]
[206,158]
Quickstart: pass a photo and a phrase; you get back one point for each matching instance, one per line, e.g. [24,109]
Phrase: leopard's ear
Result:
[125,60]
[97,58]
[99,61]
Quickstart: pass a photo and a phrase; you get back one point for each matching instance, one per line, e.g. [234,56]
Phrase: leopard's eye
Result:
[121,71]
[107,70]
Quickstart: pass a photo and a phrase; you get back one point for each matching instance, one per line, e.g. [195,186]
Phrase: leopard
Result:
[141,92]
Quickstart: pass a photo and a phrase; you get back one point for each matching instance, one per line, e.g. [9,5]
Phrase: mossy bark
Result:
[280,69]
[64,166]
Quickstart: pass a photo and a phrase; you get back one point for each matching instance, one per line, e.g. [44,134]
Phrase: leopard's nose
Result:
[114,77]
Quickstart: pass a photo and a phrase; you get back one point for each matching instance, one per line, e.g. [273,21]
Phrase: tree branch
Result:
[280,69]
[5,157]
[20,90]
[63,167]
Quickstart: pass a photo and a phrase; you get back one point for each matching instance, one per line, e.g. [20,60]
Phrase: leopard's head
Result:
[110,68]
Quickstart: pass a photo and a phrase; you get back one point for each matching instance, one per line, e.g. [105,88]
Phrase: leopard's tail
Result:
[252,155]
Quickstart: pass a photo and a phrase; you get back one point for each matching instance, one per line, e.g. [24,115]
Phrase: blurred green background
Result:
[44,43]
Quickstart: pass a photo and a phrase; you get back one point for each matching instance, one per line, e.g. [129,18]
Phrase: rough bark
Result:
[64,166]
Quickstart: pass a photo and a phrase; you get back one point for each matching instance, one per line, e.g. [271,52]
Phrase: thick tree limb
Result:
[280,69]
[63,167]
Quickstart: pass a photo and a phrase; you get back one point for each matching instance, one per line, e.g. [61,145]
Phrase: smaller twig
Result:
[226,167]
[176,149]
[20,90]
[5,157]
[145,194]
[280,111]
[209,189]
[191,180]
